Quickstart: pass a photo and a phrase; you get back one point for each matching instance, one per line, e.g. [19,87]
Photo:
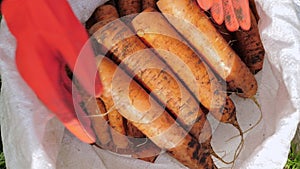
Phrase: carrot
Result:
[148,4]
[254,9]
[151,118]
[249,46]
[153,74]
[103,12]
[97,111]
[128,7]
[118,131]
[144,149]
[132,131]
[154,30]
[210,44]
[138,148]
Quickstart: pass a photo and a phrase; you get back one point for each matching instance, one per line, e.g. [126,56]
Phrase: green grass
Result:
[293,161]
[2,161]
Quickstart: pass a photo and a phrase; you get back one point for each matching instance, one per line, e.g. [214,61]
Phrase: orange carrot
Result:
[149,4]
[144,148]
[152,119]
[254,9]
[97,111]
[116,123]
[250,47]
[128,7]
[152,73]
[155,31]
[209,43]
[103,12]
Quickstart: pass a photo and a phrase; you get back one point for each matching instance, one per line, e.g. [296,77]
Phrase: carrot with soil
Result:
[153,120]
[247,44]
[208,42]
[250,47]
[153,74]
[149,4]
[116,122]
[155,31]
[145,149]
[103,12]
[118,131]
[128,7]
[96,111]
[254,10]
[132,131]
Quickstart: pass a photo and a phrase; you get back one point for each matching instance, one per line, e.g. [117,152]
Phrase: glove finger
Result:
[231,22]
[217,11]
[42,73]
[242,12]
[205,4]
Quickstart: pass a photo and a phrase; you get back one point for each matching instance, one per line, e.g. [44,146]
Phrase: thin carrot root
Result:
[143,148]
[240,146]
[235,156]
[99,122]
[146,151]
[258,121]
[260,117]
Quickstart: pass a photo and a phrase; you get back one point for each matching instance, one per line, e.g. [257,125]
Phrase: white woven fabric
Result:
[33,138]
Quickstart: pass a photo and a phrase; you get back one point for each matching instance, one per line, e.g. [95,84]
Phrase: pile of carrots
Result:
[164,67]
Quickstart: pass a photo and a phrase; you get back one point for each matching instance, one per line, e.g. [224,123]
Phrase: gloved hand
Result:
[49,37]
[235,13]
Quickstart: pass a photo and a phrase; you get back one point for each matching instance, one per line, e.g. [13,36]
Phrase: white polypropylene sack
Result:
[33,138]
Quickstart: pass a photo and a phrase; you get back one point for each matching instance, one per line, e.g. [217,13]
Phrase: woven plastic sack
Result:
[33,138]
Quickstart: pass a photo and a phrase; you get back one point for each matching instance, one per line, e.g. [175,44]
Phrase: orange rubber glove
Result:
[49,37]
[235,13]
